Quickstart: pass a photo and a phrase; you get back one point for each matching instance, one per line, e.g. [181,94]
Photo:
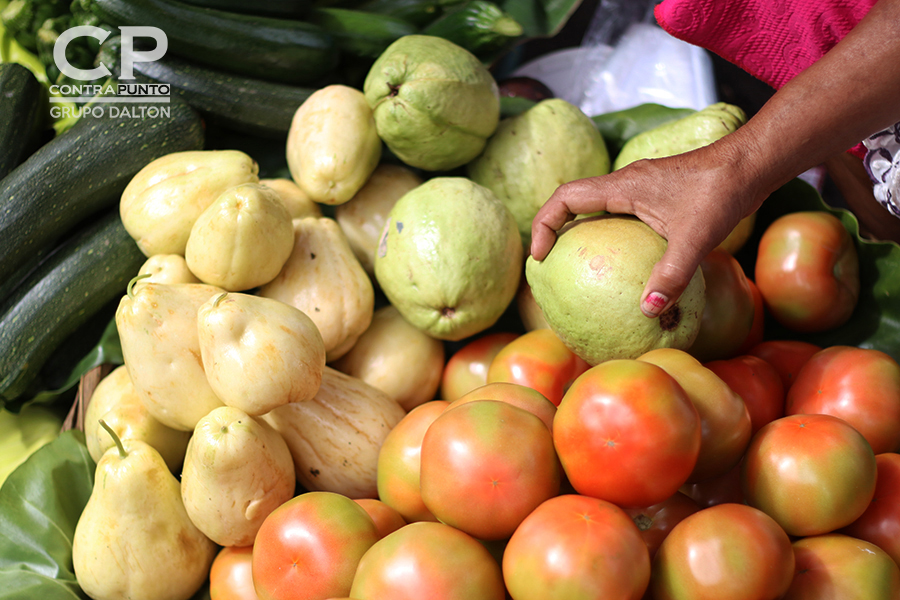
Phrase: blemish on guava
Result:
[448,312]
[394,90]
[599,264]
[399,226]
[670,319]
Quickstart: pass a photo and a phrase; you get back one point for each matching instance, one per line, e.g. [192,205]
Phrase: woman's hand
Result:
[693,200]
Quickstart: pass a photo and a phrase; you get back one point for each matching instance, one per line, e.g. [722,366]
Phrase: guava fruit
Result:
[435,103]
[533,153]
[688,133]
[450,257]
[590,284]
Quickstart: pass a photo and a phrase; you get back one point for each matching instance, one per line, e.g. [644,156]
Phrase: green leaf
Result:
[876,321]
[40,504]
[540,18]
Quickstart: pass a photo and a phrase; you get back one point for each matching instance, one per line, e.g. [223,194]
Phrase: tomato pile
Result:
[770,470]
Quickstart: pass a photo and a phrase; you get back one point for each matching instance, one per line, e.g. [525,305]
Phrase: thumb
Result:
[669,278]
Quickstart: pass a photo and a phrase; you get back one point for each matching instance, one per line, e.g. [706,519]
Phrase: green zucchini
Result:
[82,276]
[481,27]
[82,171]
[285,50]
[23,114]
[361,33]
[285,9]
[244,104]
[417,12]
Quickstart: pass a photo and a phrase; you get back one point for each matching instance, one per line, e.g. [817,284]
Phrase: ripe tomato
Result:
[729,310]
[309,547]
[786,356]
[467,368]
[576,547]
[398,462]
[838,566]
[626,432]
[538,359]
[728,551]
[858,385]
[518,395]
[724,418]
[655,522]
[485,465]
[231,574]
[757,383]
[880,523]
[758,329]
[811,473]
[386,518]
[807,271]
[428,560]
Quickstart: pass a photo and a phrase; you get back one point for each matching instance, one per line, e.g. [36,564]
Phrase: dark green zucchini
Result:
[417,12]
[285,50]
[481,27]
[82,276]
[244,104]
[23,115]
[284,9]
[361,33]
[82,171]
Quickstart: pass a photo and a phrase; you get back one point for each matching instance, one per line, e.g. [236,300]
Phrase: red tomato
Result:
[728,551]
[485,465]
[757,383]
[655,522]
[428,560]
[467,368]
[231,574]
[807,271]
[575,547]
[518,395]
[309,547]
[386,518]
[724,419]
[811,473]
[723,489]
[844,568]
[398,462]
[786,356]
[540,360]
[758,329]
[880,523]
[626,432]
[858,385]
[729,310]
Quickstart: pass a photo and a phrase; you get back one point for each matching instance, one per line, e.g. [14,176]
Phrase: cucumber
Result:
[286,9]
[82,276]
[23,114]
[82,171]
[481,27]
[246,105]
[360,33]
[284,50]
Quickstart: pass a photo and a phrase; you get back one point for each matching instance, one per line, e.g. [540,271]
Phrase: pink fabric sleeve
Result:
[773,40]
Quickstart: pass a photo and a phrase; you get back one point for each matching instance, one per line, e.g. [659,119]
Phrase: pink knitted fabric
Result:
[773,40]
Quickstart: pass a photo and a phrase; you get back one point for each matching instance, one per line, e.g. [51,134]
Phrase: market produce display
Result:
[358,348]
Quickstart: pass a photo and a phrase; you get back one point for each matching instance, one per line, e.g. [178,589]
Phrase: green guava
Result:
[590,284]
[449,258]
[435,103]
[688,133]
[533,153]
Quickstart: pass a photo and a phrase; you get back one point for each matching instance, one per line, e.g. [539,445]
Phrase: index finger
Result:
[568,200]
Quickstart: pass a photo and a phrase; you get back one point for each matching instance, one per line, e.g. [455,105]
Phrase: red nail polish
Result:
[654,303]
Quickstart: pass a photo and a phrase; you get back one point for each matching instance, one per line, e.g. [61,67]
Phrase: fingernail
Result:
[653,304]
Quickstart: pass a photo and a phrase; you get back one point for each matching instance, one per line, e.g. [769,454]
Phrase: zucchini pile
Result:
[64,253]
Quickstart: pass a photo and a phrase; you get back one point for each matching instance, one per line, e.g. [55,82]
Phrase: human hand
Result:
[693,200]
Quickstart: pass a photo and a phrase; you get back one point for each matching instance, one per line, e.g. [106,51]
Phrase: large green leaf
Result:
[540,18]
[40,503]
[876,321]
